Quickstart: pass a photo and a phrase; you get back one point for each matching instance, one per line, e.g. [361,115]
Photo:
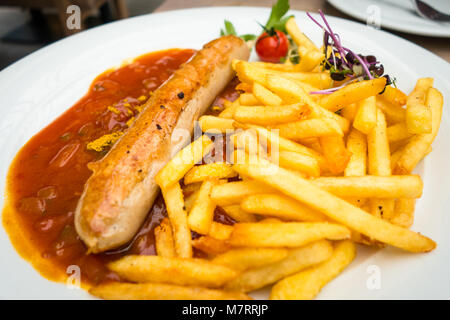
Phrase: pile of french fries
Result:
[309,176]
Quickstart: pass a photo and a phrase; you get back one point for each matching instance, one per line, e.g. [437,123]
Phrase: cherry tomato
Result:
[272,48]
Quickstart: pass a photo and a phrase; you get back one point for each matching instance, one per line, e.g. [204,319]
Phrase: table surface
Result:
[439,46]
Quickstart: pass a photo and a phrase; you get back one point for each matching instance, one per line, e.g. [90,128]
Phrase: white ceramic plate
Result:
[397,15]
[38,88]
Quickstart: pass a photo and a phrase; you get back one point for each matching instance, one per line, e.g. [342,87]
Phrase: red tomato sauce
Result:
[48,174]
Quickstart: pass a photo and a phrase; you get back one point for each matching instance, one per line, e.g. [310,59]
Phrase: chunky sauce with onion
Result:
[47,175]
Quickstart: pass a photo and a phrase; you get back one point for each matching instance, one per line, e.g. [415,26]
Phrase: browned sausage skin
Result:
[122,189]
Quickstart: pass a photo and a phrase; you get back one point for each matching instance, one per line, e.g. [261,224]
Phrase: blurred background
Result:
[27,25]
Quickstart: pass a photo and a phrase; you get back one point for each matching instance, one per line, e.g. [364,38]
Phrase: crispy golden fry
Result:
[229,110]
[173,197]
[366,117]
[247,140]
[408,186]
[210,245]
[160,291]
[310,60]
[220,231]
[418,145]
[239,215]
[275,66]
[213,124]
[246,87]
[183,161]
[291,92]
[349,111]
[404,213]
[337,156]
[309,128]
[280,206]
[271,114]
[299,162]
[418,118]
[233,192]
[393,113]
[357,145]
[220,170]
[298,36]
[185,272]
[398,132]
[337,209]
[249,73]
[379,163]
[286,234]
[418,115]
[245,258]
[394,96]
[202,213]
[297,259]
[265,96]
[306,284]
[352,93]
[248,99]
[164,239]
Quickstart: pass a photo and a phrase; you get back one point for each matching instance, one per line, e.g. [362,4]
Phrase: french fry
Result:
[352,93]
[235,212]
[335,153]
[366,116]
[299,162]
[408,186]
[398,132]
[213,124]
[379,164]
[173,197]
[297,260]
[220,231]
[394,96]
[247,72]
[418,95]
[248,99]
[306,284]
[202,213]
[245,258]
[196,272]
[220,170]
[265,96]
[404,213]
[275,66]
[298,36]
[271,114]
[190,200]
[309,128]
[310,60]
[160,291]
[246,87]
[280,206]
[247,140]
[418,118]
[164,239]
[419,145]
[357,146]
[349,111]
[393,113]
[291,92]
[210,245]
[183,161]
[286,234]
[233,192]
[337,209]
[229,111]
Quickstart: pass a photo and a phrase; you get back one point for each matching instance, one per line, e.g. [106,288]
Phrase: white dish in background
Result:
[397,15]
[38,88]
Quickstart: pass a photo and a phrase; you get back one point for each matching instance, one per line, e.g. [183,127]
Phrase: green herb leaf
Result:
[229,29]
[278,11]
[248,37]
[281,25]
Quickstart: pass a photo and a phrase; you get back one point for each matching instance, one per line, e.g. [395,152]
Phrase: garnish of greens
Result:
[343,63]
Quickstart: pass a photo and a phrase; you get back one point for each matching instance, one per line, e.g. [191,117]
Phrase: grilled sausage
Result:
[121,190]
